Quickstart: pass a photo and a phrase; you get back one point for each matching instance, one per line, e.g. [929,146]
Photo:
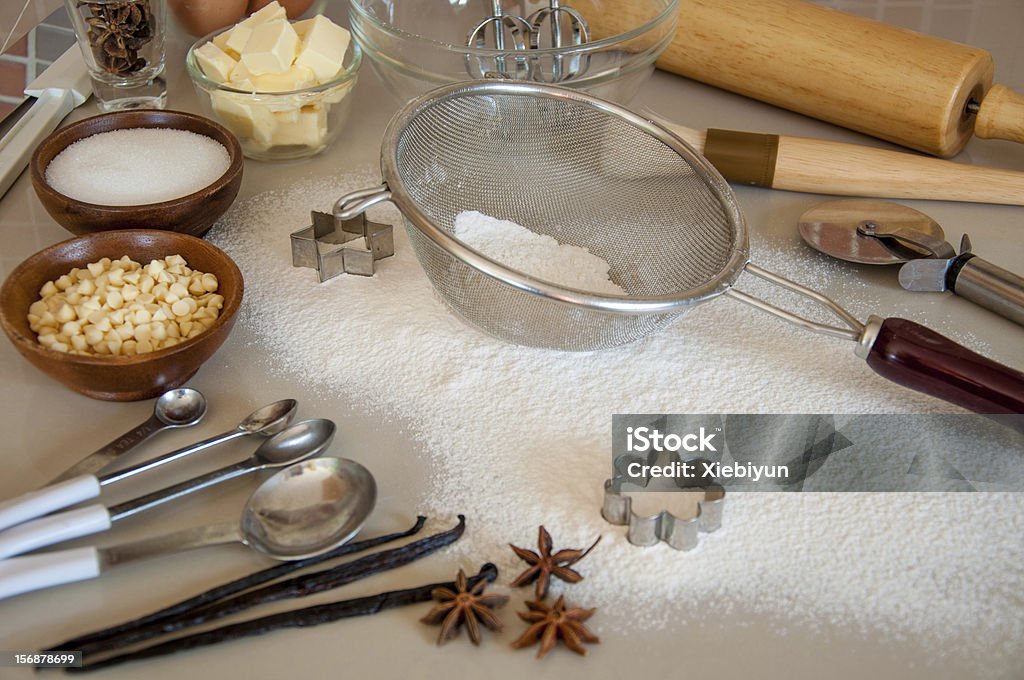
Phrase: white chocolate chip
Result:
[121,307]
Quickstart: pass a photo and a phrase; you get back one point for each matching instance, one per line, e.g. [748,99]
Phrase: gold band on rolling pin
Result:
[743,157]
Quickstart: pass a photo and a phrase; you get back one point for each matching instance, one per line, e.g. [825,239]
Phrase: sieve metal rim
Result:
[635,305]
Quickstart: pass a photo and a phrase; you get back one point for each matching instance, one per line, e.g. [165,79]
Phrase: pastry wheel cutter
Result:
[879,232]
[329,245]
[680,532]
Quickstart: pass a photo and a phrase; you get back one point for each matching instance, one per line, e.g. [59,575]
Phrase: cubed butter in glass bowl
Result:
[283,88]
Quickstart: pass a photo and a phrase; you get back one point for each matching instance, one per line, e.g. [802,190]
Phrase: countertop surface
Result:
[47,427]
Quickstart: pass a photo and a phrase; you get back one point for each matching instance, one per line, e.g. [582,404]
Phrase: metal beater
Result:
[554,16]
[499,25]
[563,27]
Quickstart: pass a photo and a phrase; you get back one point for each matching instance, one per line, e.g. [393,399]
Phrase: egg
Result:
[200,17]
[294,8]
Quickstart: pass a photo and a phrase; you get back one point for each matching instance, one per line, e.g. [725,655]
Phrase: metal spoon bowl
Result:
[305,439]
[308,508]
[182,407]
[304,510]
[296,443]
[177,404]
[265,421]
[270,419]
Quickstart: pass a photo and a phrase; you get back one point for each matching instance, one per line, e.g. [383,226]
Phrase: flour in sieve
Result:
[537,255]
[536,423]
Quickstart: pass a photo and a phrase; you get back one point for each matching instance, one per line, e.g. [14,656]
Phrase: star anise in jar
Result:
[464,606]
[117,31]
[544,564]
[551,624]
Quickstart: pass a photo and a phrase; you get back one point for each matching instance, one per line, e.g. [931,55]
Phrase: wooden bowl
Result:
[192,214]
[120,378]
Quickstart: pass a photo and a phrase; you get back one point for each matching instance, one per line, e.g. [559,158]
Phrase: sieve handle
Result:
[356,203]
[911,355]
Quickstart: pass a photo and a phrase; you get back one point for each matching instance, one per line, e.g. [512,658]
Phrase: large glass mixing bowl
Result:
[416,46]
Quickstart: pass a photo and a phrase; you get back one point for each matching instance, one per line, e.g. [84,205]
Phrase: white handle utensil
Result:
[305,510]
[35,572]
[298,442]
[265,421]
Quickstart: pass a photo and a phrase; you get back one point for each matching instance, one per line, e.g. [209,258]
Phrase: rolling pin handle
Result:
[1001,115]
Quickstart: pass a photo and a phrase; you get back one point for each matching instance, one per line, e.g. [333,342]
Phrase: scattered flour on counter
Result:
[537,255]
[516,437]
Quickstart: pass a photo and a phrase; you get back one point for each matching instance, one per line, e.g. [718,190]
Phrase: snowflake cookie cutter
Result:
[679,531]
[328,245]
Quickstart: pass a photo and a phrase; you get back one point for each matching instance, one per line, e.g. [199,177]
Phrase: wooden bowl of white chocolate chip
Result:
[122,315]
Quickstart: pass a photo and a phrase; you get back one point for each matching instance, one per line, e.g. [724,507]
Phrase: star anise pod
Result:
[544,564]
[117,31]
[551,624]
[461,606]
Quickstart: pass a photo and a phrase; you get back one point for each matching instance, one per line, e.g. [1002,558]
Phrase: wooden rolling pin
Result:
[824,167]
[916,90]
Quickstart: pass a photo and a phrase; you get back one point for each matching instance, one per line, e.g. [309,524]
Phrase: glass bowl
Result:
[418,46]
[275,126]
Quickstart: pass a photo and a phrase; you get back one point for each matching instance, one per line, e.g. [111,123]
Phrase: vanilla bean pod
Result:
[299,586]
[213,595]
[297,618]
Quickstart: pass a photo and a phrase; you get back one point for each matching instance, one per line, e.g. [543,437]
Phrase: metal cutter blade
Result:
[873,232]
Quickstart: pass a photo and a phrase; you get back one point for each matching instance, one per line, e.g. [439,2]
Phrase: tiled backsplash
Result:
[28,57]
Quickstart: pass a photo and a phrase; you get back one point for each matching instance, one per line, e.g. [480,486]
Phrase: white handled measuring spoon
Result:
[265,421]
[304,510]
[303,440]
[181,407]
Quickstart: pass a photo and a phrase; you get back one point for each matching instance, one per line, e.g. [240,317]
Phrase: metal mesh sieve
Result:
[581,170]
[592,174]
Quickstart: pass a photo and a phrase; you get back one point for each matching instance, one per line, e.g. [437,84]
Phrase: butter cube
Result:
[237,39]
[221,41]
[234,40]
[323,46]
[215,63]
[269,12]
[251,122]
[239,73]
[295,78]
[302,27]
[288,116]
[241,79]
[271,48]
[243,84]
[310,128]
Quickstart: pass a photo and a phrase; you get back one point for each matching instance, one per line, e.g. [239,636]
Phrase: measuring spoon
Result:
[266,421]
[304,510]
[181,407]
[303,440]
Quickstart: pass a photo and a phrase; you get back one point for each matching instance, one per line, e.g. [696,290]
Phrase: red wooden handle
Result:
[911,355]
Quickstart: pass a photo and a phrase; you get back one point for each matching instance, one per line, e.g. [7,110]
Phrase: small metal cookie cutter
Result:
[680,533]
[327,245]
